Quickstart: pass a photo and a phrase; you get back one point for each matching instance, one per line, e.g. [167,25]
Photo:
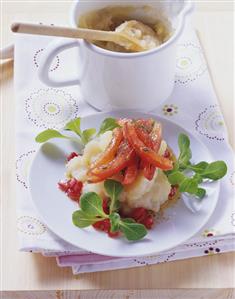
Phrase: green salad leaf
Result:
[189,185]
[91,210]
[214,171]
[91,204]
[176,177]
[108,124]
[87,135]
[115,221]
[82,219]
[201,192]
[74,126]
[198,168]
[114,190]
[185,151]
[49,134]
[183,168]
[133,231]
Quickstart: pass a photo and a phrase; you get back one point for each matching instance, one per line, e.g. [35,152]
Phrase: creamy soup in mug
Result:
[111,17]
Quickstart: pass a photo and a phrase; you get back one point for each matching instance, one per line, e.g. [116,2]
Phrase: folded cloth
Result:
[193,104]
[83,264]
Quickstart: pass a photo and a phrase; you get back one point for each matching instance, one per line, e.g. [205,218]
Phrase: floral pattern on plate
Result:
[51,108]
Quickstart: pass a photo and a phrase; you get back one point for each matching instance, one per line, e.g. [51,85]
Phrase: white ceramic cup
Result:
[114,80]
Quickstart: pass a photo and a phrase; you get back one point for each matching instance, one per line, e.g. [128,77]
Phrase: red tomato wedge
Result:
[144,136]
[122,121]
[156,136]
[153,141]
[146,124]
[144,152]
[131,171]
[111,149]
[148,170]
[124,155]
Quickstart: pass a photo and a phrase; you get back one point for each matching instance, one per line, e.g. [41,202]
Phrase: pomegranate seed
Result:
[107,225]
[173,191]
[139,214]
[148,222]
[113,234]
[63,186]
[71,156]
[72,183]
[98,225]
[73,195]
[72,187]
[167,154]
[103,225]
[77,187]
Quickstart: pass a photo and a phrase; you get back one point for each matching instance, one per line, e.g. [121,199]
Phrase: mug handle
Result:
[47,57]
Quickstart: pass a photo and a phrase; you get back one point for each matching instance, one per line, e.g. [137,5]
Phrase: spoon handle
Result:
[87,34]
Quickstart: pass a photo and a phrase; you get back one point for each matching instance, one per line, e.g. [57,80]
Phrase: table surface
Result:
[24,271]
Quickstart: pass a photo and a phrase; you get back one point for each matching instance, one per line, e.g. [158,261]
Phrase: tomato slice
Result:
[131,171]
[122,121]
[144,152]
[124,155]
[111,149]
[144,136]
[151,140]
[148,169]
[156,136]
[146,124]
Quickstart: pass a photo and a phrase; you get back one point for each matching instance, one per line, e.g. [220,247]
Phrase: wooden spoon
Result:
[121,37]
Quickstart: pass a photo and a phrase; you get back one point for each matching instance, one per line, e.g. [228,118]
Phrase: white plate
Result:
[56,208]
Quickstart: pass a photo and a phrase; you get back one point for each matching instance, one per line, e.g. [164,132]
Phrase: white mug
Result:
[114,80]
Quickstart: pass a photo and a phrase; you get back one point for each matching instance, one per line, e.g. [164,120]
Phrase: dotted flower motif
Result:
[190,63]
[210,233]
[156,259]
[37,57]
[202,245]
[50,108]
[22,167]
[210,123]
[232,178]
[212,250]
[170,110]
[30,226]
[233,219]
